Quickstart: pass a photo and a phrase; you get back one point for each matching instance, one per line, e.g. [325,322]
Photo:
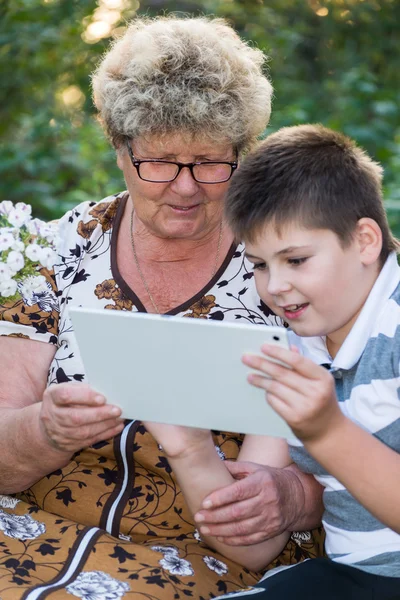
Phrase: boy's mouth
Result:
[293,311]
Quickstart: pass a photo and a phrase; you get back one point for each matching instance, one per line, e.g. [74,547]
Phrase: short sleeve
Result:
[33,312]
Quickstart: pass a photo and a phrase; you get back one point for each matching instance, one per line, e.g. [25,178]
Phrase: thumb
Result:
[241,469]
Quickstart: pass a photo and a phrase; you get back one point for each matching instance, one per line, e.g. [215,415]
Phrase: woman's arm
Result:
[262,503]
[199,470]
[41,429]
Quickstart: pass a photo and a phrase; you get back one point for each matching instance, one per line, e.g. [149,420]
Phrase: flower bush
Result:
[26,245]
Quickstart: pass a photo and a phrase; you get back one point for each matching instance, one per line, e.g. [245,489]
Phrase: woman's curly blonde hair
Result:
[191,75]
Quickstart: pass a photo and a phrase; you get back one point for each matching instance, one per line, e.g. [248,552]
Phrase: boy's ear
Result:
[369,238]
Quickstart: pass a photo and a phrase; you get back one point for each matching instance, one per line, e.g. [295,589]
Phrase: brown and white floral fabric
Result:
[113,522]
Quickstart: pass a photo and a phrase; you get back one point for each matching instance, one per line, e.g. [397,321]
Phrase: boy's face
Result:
[306,277]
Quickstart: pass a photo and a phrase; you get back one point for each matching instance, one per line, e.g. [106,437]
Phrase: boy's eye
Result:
[297,261]
[260,266]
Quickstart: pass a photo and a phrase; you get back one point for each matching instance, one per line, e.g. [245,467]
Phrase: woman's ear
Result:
[120,158]
[369,238]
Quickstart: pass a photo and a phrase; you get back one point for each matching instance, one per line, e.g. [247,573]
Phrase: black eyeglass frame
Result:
[136,162]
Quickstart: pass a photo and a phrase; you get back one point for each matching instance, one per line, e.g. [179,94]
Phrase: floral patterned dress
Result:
[113,522]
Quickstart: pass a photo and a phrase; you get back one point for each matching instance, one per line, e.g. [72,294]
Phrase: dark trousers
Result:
[325,579]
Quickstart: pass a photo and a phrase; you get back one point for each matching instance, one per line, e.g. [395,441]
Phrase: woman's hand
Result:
[178,441]
[74,416]
[302,392]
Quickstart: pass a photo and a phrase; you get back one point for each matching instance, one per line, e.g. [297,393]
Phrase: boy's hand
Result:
[302,393]
[178,441]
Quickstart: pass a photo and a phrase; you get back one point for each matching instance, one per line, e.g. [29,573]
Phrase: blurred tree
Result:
[331,61]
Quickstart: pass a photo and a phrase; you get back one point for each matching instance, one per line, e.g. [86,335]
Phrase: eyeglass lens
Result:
[164,171]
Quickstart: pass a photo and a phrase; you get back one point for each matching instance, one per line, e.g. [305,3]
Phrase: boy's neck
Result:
[335,340]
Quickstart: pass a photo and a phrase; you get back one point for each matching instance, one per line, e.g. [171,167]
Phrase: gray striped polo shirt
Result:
[366,371]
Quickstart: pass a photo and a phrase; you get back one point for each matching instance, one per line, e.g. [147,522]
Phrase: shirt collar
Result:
[355,342]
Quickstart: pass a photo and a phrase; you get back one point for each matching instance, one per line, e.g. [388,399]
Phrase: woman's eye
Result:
[297,261]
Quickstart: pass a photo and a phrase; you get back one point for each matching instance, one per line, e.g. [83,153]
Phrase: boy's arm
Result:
[199,470]
[365,466]
[304,395]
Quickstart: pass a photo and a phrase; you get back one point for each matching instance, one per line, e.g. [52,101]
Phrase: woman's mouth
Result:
[183,209]
[294,311]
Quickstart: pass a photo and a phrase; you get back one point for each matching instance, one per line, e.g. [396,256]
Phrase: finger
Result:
[233,529]
[294,364]
[85,436]
[83,416]
[246,540]
[289,395]
[87,431]
[234,492]
[240,469]
[289,377]
[287,411]
[64,394]
[274,371]
[294,360]
[107,433]
[229,513]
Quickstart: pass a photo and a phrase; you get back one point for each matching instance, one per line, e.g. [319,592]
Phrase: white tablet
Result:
[178,370]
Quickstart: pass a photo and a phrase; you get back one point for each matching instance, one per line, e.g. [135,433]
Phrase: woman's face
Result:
[182,208]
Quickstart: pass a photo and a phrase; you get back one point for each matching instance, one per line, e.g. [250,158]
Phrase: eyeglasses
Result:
[163,171]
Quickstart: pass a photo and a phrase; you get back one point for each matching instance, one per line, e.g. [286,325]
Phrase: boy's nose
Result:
[277,284]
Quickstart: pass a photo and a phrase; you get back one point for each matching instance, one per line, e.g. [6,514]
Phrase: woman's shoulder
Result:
[89,217]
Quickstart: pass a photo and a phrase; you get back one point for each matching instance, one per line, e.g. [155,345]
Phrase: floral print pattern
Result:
[96,585]
[20,527]
[115,514]
[215,565]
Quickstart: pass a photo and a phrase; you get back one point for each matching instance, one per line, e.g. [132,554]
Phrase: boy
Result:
[308,204]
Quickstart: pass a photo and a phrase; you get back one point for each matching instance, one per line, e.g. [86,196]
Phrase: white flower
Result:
[220,453]
[49,231]
[15,260]
[213,564]
[175,565]
[8,501]
[47,257]
[8,288]
[34,289]
[33,252]
[244,592]
[22,527]
[197,535]
[6,239]
[18,246]
[97,585]
[33,284]
[165,549]
[301,536]
[5,272]
[20,214]
[33,226]
[6,207]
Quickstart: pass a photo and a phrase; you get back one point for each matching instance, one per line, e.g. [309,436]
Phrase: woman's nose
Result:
[185,184]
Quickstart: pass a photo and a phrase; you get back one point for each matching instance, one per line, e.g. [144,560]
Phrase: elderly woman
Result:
[90,505]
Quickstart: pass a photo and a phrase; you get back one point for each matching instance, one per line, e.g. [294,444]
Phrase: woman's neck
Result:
[152,248]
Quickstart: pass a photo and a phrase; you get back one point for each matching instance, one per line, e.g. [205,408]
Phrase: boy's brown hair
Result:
[309,175]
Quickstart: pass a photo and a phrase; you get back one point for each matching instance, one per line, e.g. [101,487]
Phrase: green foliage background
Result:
[331,61]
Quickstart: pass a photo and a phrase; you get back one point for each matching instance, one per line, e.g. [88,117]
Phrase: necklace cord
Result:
[142,277]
